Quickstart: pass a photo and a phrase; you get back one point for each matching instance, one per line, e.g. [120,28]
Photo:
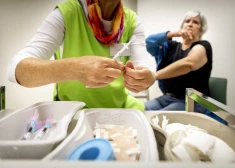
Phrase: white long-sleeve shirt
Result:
[50,36]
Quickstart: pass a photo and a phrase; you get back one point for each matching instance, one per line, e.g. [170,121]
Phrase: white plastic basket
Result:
[14,126]
[126,117]
[202,121]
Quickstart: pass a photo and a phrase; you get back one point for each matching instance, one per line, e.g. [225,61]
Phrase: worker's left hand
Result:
[138,78]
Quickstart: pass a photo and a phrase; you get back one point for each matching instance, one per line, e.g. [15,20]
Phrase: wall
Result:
[19,21]
[132,4]
[159,16]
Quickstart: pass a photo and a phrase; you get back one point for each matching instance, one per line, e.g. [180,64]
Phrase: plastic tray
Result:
[212,126]
[14,126]
[127,117]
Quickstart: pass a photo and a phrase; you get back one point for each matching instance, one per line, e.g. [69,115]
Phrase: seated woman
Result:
[181,65]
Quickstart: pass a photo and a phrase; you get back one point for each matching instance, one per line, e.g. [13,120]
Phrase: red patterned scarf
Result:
[97,26]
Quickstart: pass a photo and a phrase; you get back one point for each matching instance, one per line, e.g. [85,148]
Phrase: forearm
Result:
[33,72]
[156,39]
[175,69]
[155,42]
[172,34]
[43,45]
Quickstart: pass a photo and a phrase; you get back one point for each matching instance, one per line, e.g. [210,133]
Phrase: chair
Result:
[218,89]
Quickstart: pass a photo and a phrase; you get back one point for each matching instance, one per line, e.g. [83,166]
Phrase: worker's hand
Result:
[95,71]
[138,78]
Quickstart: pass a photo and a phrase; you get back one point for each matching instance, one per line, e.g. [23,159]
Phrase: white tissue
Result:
[190,143]
[170,128]
[201,141]
[177,136]
[155,121]
[221,152]
[164,122]
[181,153]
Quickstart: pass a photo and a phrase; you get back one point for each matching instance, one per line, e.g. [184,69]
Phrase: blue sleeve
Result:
[156,42]
[156,45]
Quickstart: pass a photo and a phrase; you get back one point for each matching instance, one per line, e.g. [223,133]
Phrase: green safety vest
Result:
[80,41]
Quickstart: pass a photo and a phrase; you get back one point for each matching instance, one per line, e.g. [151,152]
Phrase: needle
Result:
[116,56]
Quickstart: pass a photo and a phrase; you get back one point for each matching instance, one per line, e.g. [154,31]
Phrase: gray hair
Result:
[203,21]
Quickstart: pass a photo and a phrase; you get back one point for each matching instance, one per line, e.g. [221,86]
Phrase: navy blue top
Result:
[166,52]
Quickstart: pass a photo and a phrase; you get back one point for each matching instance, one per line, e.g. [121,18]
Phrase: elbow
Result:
[151,40]
[193,66]
[148,40]
[151,50]
[190,66]
[149,43]
[23,81]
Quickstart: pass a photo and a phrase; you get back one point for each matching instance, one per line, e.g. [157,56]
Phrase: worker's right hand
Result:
[95,71]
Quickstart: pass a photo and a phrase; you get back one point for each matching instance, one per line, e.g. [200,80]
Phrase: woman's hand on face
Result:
[186,34]
[95,71]
[137,79]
